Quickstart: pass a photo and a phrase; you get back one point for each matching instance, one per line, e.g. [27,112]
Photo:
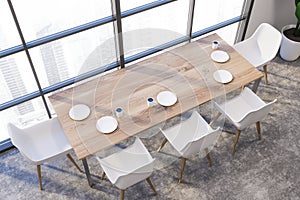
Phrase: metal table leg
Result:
[87,172]
[255,85]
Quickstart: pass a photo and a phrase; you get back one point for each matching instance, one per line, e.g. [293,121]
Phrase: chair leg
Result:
[182,169]
[265,74]
[258,130]
[162,145]
[39,176]
[237,135]
[103,175]
[122,194]
[73,161]
[215,119]
[208,157]
[243,87]
[151,185]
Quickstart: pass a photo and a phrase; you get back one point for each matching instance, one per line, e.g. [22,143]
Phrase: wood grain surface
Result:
[186,70]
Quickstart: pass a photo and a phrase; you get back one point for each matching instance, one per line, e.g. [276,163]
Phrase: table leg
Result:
[87,172]
[255,85]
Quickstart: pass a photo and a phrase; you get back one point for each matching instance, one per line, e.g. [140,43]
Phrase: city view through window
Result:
[61,59]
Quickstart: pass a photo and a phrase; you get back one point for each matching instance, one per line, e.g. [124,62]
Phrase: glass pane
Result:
[208,13]
[68,57]
[129,4]
[228,33]
[16,78]
[9,36]
[35,111]
[155,27]
[35,16]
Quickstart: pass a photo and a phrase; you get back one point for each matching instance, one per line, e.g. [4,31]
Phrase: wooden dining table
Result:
[186,70]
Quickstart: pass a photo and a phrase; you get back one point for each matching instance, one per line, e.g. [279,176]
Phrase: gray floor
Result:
[266,169]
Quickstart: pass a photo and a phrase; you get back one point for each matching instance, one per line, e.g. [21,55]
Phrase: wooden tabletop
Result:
[187,71]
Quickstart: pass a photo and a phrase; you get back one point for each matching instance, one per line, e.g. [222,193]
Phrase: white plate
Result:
[79,112]
[166,98]
[107,124]
[223,76]
[219,56]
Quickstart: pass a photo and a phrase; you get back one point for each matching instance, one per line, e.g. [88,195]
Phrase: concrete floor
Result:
[266,169]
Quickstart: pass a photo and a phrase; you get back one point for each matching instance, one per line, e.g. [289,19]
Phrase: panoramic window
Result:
[67,39]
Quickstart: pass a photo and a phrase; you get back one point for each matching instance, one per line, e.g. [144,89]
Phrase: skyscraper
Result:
[53,58]
[15,83]
[13,79]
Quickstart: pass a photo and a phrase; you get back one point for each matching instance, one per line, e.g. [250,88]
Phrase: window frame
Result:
[116,19]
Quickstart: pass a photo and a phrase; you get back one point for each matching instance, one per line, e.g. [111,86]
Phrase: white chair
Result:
[189,137]
[128,166]
[261,47]
[41,142]
[243,111]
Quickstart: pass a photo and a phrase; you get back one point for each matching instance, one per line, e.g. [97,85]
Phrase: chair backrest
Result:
[268,40]
[37,140]
[195,135]
[255,115]
[202,143]
[134,177]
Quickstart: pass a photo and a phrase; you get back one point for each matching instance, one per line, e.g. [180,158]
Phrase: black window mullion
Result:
[116,11]
[243,25]
[190,19]
[28,56]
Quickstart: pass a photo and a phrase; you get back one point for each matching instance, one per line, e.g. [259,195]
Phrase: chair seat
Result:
[237,108]
[242,106]
[44,156]
[194,129]
[129,166]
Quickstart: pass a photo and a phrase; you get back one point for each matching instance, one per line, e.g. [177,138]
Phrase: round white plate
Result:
[223,76]
[107,124]
[166,98]
[79,112]
[219,56]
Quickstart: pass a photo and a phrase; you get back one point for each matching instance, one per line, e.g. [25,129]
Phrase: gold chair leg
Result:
[103,175]
[208,157]
[258,130]
[265,74]
[243,87]
[182,169]
[74,163]
[151,185]
[237,135]
[215,119]
[122,194]
[162,145]
[39,176]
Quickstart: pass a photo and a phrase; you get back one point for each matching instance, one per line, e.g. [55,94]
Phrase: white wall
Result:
[275,12]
